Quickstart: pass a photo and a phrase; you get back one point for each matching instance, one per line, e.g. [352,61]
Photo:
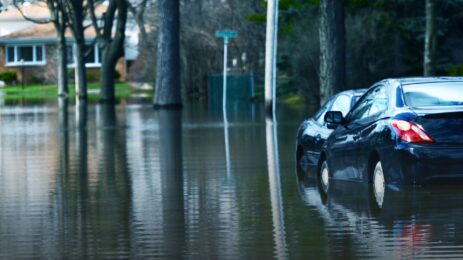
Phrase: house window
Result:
[92,56]
[18,55]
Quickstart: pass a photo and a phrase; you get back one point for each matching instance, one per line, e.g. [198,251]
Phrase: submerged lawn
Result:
[50,91]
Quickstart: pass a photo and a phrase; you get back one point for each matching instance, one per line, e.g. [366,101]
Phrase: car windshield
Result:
[434,94]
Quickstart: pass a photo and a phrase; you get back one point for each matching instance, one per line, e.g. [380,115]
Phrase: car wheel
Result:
[379,184]
[324,176]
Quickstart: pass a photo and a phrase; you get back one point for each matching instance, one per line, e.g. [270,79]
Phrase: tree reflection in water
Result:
[171,167]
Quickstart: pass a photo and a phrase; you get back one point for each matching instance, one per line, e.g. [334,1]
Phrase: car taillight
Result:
[410,132]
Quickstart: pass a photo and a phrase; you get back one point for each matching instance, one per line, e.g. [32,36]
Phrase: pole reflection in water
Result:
[275,189]
[227,143]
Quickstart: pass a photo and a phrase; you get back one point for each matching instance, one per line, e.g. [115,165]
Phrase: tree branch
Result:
[91,5]
[30,19]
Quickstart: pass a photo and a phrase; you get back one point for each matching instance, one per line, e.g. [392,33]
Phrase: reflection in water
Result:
[276,197]
[227,143]
[131,182]
[412,223]
[170,155]
[63,134]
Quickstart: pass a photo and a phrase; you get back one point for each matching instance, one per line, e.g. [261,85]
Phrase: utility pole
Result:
[270,57]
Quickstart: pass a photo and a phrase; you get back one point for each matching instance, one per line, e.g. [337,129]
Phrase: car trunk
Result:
[443,125]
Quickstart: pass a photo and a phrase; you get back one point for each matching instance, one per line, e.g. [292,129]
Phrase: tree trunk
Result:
[62,62]
[80,70]
[113,48]
[332,48]
[75,14]
[167,84]
[429,66]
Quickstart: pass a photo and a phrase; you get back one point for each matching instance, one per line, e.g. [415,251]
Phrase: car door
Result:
[317,131]
[343,145]
[365,134]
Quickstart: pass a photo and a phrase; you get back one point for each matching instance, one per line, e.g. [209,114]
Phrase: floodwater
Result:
[95,181]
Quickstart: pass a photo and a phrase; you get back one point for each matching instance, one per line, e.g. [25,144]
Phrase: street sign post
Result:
[225,34]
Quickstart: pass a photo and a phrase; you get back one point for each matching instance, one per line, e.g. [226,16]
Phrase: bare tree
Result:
[58,17]
[332,48]
[167,84]
[111,45]
[75,11]
[137,9]
[430,40]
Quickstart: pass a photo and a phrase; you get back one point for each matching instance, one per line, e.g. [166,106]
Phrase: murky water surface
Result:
[129,182]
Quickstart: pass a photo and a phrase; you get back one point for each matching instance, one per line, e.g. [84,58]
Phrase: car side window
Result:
[379,101]
[373,102]
[342,103]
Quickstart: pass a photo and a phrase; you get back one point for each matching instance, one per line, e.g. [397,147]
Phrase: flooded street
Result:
[94,181]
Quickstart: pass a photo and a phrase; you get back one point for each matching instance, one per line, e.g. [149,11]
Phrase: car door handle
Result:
[355,137]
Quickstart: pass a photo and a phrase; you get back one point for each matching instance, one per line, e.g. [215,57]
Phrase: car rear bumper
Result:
[418,164]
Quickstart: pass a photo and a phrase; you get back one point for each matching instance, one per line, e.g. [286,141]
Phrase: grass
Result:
[293,100]
[123,90]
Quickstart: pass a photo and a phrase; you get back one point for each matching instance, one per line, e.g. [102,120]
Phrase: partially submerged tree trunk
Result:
[62,67]
[429,64]
[60,27]
[332,48]
[76,15]
[111,44]
[167,84]
[80,69]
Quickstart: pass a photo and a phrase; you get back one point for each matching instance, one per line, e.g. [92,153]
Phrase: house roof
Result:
[38,32]
[37,10]
[41,31]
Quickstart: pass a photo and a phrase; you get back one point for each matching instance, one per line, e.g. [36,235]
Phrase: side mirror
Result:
[333,119]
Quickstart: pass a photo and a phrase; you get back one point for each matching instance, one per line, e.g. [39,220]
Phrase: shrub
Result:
[36,80]
[8,76]
[92,75]
[117,75]
[71,75]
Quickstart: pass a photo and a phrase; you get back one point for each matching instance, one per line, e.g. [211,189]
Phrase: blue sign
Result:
[226,34]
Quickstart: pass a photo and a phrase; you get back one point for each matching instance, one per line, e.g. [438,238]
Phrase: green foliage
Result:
[455,70]
[259,18]
[8,76]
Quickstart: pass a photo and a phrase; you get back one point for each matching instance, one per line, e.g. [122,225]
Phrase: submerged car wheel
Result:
[379,183]
[324,176]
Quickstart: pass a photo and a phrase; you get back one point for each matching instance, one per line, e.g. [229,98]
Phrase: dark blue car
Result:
[313,131]
[401,131]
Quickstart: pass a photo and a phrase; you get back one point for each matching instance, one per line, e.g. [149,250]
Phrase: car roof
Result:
[422,80]
[354,91]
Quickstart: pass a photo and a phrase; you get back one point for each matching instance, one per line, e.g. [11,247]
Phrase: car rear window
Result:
[434,94]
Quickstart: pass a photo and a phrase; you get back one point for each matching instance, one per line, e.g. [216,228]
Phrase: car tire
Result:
[324,176]
[378,183]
